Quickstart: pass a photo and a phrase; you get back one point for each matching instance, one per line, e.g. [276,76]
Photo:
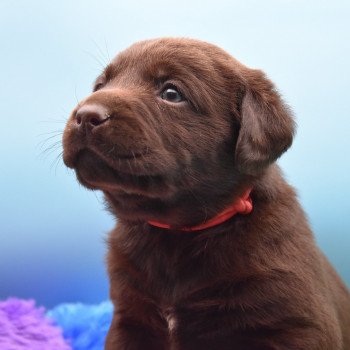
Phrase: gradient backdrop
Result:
[52,231]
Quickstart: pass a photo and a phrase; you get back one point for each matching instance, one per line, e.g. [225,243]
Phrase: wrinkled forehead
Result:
[163,59]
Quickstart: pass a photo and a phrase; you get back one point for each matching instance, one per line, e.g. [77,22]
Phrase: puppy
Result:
[211,249]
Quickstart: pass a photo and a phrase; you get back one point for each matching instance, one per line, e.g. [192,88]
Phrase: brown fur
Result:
[256,281]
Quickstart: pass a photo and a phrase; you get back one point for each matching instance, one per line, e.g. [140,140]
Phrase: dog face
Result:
[171,124]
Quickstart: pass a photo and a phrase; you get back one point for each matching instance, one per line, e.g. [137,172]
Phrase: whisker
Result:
[51,132]
[53,121]
[42,143]
[75,94]
[131,171]
[49,150]
[109,57]
[56,161]
[95,58]
[98,200]
[64,111]
[102,54]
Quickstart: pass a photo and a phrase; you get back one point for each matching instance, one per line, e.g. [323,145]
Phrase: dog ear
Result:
[266,128]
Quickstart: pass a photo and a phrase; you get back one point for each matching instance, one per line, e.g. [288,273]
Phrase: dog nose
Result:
[91,116]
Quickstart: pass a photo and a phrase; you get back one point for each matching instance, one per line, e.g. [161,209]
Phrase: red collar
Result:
[242,205]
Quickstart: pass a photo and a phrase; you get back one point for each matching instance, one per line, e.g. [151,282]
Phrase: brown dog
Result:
[211,249]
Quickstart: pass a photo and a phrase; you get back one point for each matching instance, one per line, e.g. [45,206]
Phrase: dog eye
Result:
[99,83]
[97,86]
[171,94]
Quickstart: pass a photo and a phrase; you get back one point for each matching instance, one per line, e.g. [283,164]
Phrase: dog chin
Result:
[95,173]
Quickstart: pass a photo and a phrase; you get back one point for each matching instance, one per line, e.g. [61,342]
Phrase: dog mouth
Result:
[96,173]
[93,172]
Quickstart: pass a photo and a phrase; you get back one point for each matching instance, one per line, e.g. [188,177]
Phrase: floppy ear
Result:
[267,127]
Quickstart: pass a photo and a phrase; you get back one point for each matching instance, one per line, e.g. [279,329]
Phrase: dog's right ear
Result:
[266,125]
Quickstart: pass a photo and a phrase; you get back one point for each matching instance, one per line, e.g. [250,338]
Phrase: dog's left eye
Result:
[171,94]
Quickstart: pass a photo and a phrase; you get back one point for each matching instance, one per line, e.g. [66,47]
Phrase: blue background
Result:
[52,230]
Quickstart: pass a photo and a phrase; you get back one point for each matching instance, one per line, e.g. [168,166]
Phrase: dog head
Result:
[173,125]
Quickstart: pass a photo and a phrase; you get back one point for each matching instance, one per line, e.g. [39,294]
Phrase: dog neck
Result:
[241,205]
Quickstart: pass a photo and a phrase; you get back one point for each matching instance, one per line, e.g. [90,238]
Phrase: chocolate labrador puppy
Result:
[211,249]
